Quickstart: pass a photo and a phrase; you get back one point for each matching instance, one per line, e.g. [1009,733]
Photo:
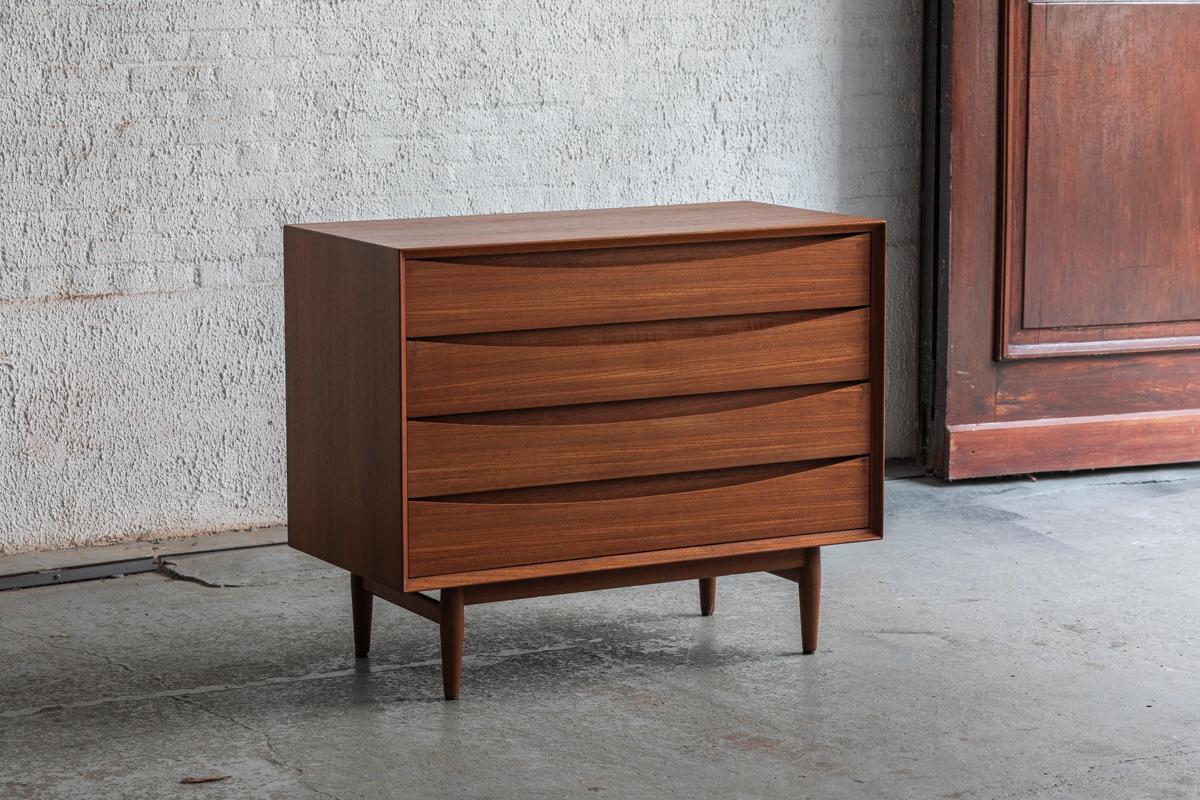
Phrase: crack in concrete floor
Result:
[273,755]
[170,570]
[469,660]
[1084,773]
[60,645]
[1019,697]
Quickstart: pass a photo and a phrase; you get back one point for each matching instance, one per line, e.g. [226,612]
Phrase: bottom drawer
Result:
[557,523]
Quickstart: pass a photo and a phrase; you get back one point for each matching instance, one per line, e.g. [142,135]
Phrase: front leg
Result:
[810,599]
[451,623]
[361,602]
[708,596]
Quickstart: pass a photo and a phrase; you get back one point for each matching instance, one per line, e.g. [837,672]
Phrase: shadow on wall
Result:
[878,175]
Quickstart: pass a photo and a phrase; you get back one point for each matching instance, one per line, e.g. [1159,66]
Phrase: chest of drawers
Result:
[519,405]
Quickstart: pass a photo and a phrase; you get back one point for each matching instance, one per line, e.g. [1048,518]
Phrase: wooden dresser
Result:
[519,405]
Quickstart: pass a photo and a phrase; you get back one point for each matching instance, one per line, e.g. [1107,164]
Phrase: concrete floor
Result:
[1008,639]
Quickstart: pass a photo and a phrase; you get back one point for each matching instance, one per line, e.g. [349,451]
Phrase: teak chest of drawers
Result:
[519,405]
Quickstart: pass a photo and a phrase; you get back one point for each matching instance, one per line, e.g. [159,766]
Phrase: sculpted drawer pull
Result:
[625,488]
[528,369]
[594,441]
[472,294]
[557,523]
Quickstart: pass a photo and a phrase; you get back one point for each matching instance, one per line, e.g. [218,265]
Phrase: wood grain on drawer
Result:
[626,284]
[504,449]
[545,524]
[488,372]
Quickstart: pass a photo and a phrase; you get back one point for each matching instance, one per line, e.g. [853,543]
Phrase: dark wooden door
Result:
[1065,258]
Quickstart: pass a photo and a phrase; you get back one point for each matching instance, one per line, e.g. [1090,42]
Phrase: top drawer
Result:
[477,294]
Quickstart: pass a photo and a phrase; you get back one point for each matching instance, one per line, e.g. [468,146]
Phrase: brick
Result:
[171,77]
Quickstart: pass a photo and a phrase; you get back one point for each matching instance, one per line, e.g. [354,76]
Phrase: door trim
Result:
[1100,442]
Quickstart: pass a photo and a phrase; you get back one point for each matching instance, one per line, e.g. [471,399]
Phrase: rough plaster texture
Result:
[121,417]
[150,152]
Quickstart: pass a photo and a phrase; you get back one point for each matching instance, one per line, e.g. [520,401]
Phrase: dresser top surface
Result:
[592,228]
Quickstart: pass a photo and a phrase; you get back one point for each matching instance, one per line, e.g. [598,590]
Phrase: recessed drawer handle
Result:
[657,408]
[569,366]
[634,333]
[628,488]
[523,291]
[491,451]
[643,256]
[530,526]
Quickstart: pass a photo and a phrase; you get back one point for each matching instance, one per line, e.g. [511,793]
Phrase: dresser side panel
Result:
[342,318]
[878,360]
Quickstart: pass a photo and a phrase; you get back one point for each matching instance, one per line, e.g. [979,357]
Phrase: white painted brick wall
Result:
[151,149]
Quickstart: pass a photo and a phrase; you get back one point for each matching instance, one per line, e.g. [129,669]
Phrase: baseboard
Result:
[1073,443]
[27,570]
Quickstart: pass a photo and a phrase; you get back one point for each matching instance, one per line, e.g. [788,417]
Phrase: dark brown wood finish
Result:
[684,357]
[451,627]
[415,602]
[878,372]
[630,284]
[487,234]
[361,602]
[639,437]
[533,526]
[345,431]
[581,400]
[1072,239]
[1039,445]
[750,560]
[708,596]
[1135,384]
[601,569]
[810,599]
[1116,269]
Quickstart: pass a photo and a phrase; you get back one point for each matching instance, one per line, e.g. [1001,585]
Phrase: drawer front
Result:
[506,449]
[584,287]
[527,369]
[545,524]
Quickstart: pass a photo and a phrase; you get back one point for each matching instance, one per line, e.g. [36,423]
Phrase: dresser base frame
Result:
[803,567]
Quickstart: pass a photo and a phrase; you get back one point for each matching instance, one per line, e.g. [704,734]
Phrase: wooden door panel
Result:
[1102,194]
[1113,225]
[1142,382]
[1065,269]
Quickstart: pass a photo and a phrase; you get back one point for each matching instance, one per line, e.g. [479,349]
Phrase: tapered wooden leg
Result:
[708,596]
[360,608]
[451,604]
[810,599]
